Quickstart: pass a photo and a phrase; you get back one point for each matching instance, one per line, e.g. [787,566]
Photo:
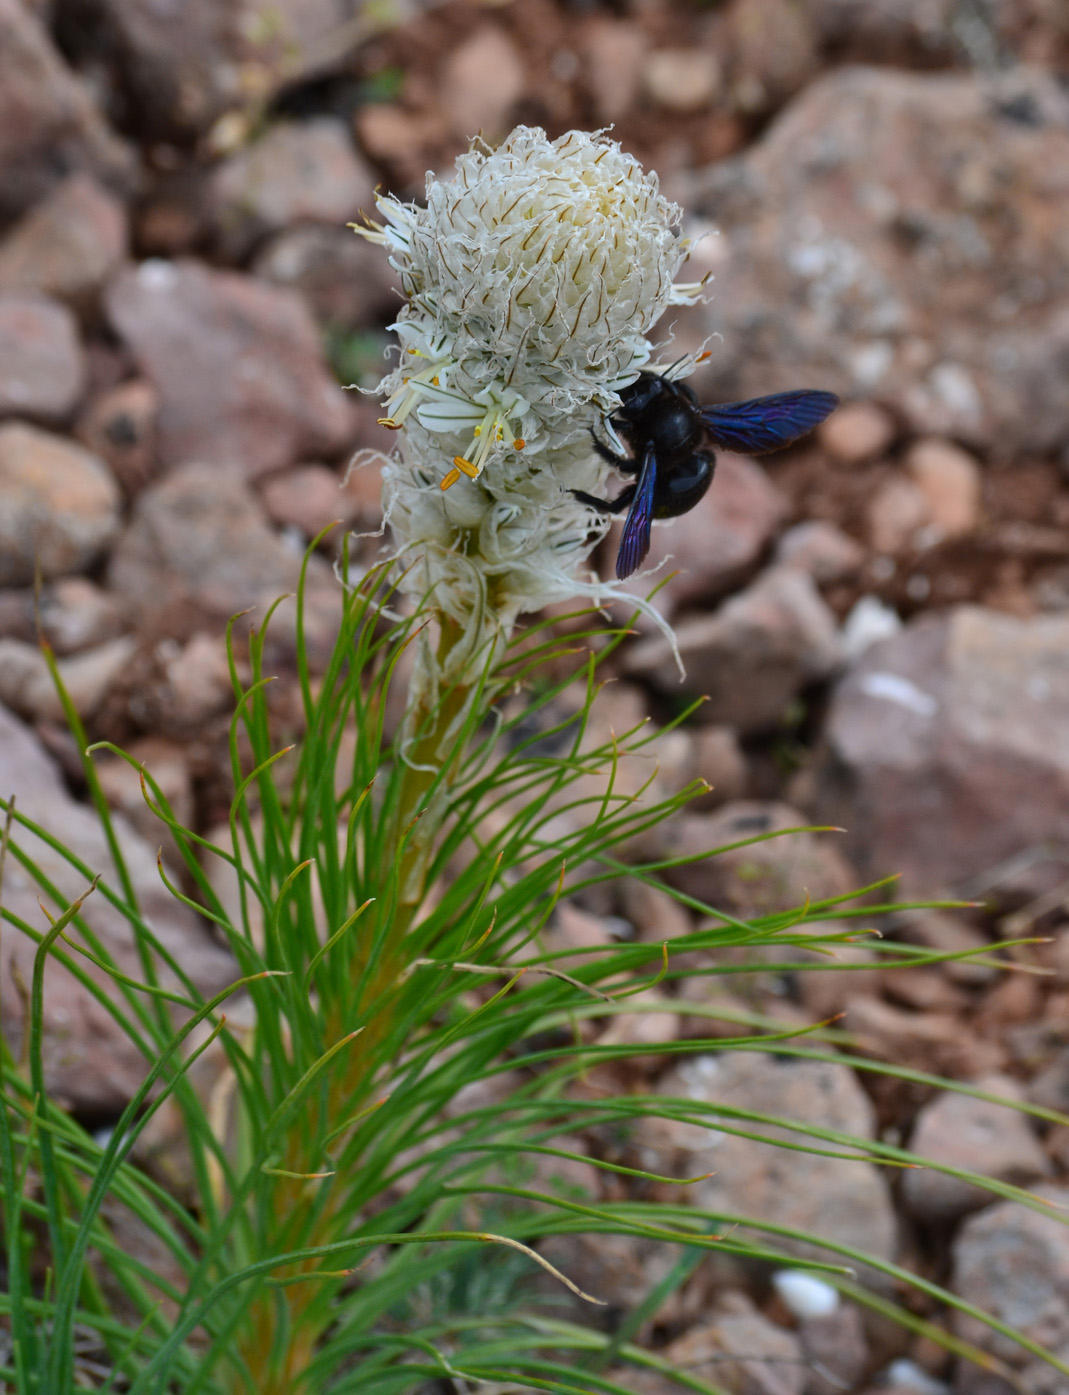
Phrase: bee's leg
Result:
[620,461]
[618,505]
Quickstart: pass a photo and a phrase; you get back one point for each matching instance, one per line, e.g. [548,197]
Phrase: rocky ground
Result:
[879,618]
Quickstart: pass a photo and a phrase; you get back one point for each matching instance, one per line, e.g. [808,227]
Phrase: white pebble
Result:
[804,1294]
[869,621]
[909,1376]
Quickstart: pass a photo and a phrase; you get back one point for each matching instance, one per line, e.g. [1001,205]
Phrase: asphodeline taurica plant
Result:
[532,279]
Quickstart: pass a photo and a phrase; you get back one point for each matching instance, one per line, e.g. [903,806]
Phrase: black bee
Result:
[664,426]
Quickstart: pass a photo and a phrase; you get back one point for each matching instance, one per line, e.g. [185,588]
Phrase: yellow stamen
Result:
[389,423]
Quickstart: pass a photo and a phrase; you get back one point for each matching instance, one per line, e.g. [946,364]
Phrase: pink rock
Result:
[67,246]
[824,551]
[182,67]
[481,79]
[237,364]
[856,432]
[751,657]
[298,172]
[345,280]
[946,749]
[866,248]
[897,514]
[49,124]
[59,506]
[975,1136]
[89,1062]
[846,1201]
[681,79]
[307,498]
[42,364]
[949,478]
[120,427]
[756,877]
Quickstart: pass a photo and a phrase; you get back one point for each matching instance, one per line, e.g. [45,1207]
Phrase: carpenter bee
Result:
[664,426]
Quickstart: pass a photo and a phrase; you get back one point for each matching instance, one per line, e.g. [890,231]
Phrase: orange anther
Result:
[469,469]
[450,479]
[518,443]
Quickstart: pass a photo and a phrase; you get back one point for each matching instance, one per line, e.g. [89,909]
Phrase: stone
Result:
[751,658]
[59,506]
[307,498]
[49,124]
[773,52]
[119,426]
[237,364]
[90,1063]
[198,548]
[976,1136]
[750,878]
[613,51]
[739,1348]
[721,762]
[824,551]
[28,689]
[681,79]
[857,432]
[719,545]
[868,622]
[480,81]
[1013,1262]
[42,364]
[345,280]
[296,172]
[867,246]
[78,614]
[186,686]
[928,1041]
[950,481]
[166,765]
[68,245]
[946,748]
[207,68]
[836,1350]
[841,1200]
[897,517]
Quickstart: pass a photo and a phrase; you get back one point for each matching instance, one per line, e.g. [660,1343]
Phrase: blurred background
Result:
[878,618]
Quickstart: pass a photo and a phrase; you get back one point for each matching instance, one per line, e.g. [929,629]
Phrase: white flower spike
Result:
[532,279]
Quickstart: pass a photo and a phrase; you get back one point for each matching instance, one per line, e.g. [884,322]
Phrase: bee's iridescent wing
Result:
[635,542]
[767,423]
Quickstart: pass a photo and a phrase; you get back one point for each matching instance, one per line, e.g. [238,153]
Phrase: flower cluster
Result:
[531,280]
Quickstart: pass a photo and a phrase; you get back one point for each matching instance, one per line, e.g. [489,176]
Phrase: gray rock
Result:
[841,1200]
[183,66]
[345,280]
[27,686]
[237,364]
[824,551]
[198,549]
[976,1136]
[871,246]
[1013,1262]
[49,124]
[42,364]
[59,506]
[946,749]
[297,172]
[90,1064]
[751,657]
[755,878]
[738,1349]
[68,245]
